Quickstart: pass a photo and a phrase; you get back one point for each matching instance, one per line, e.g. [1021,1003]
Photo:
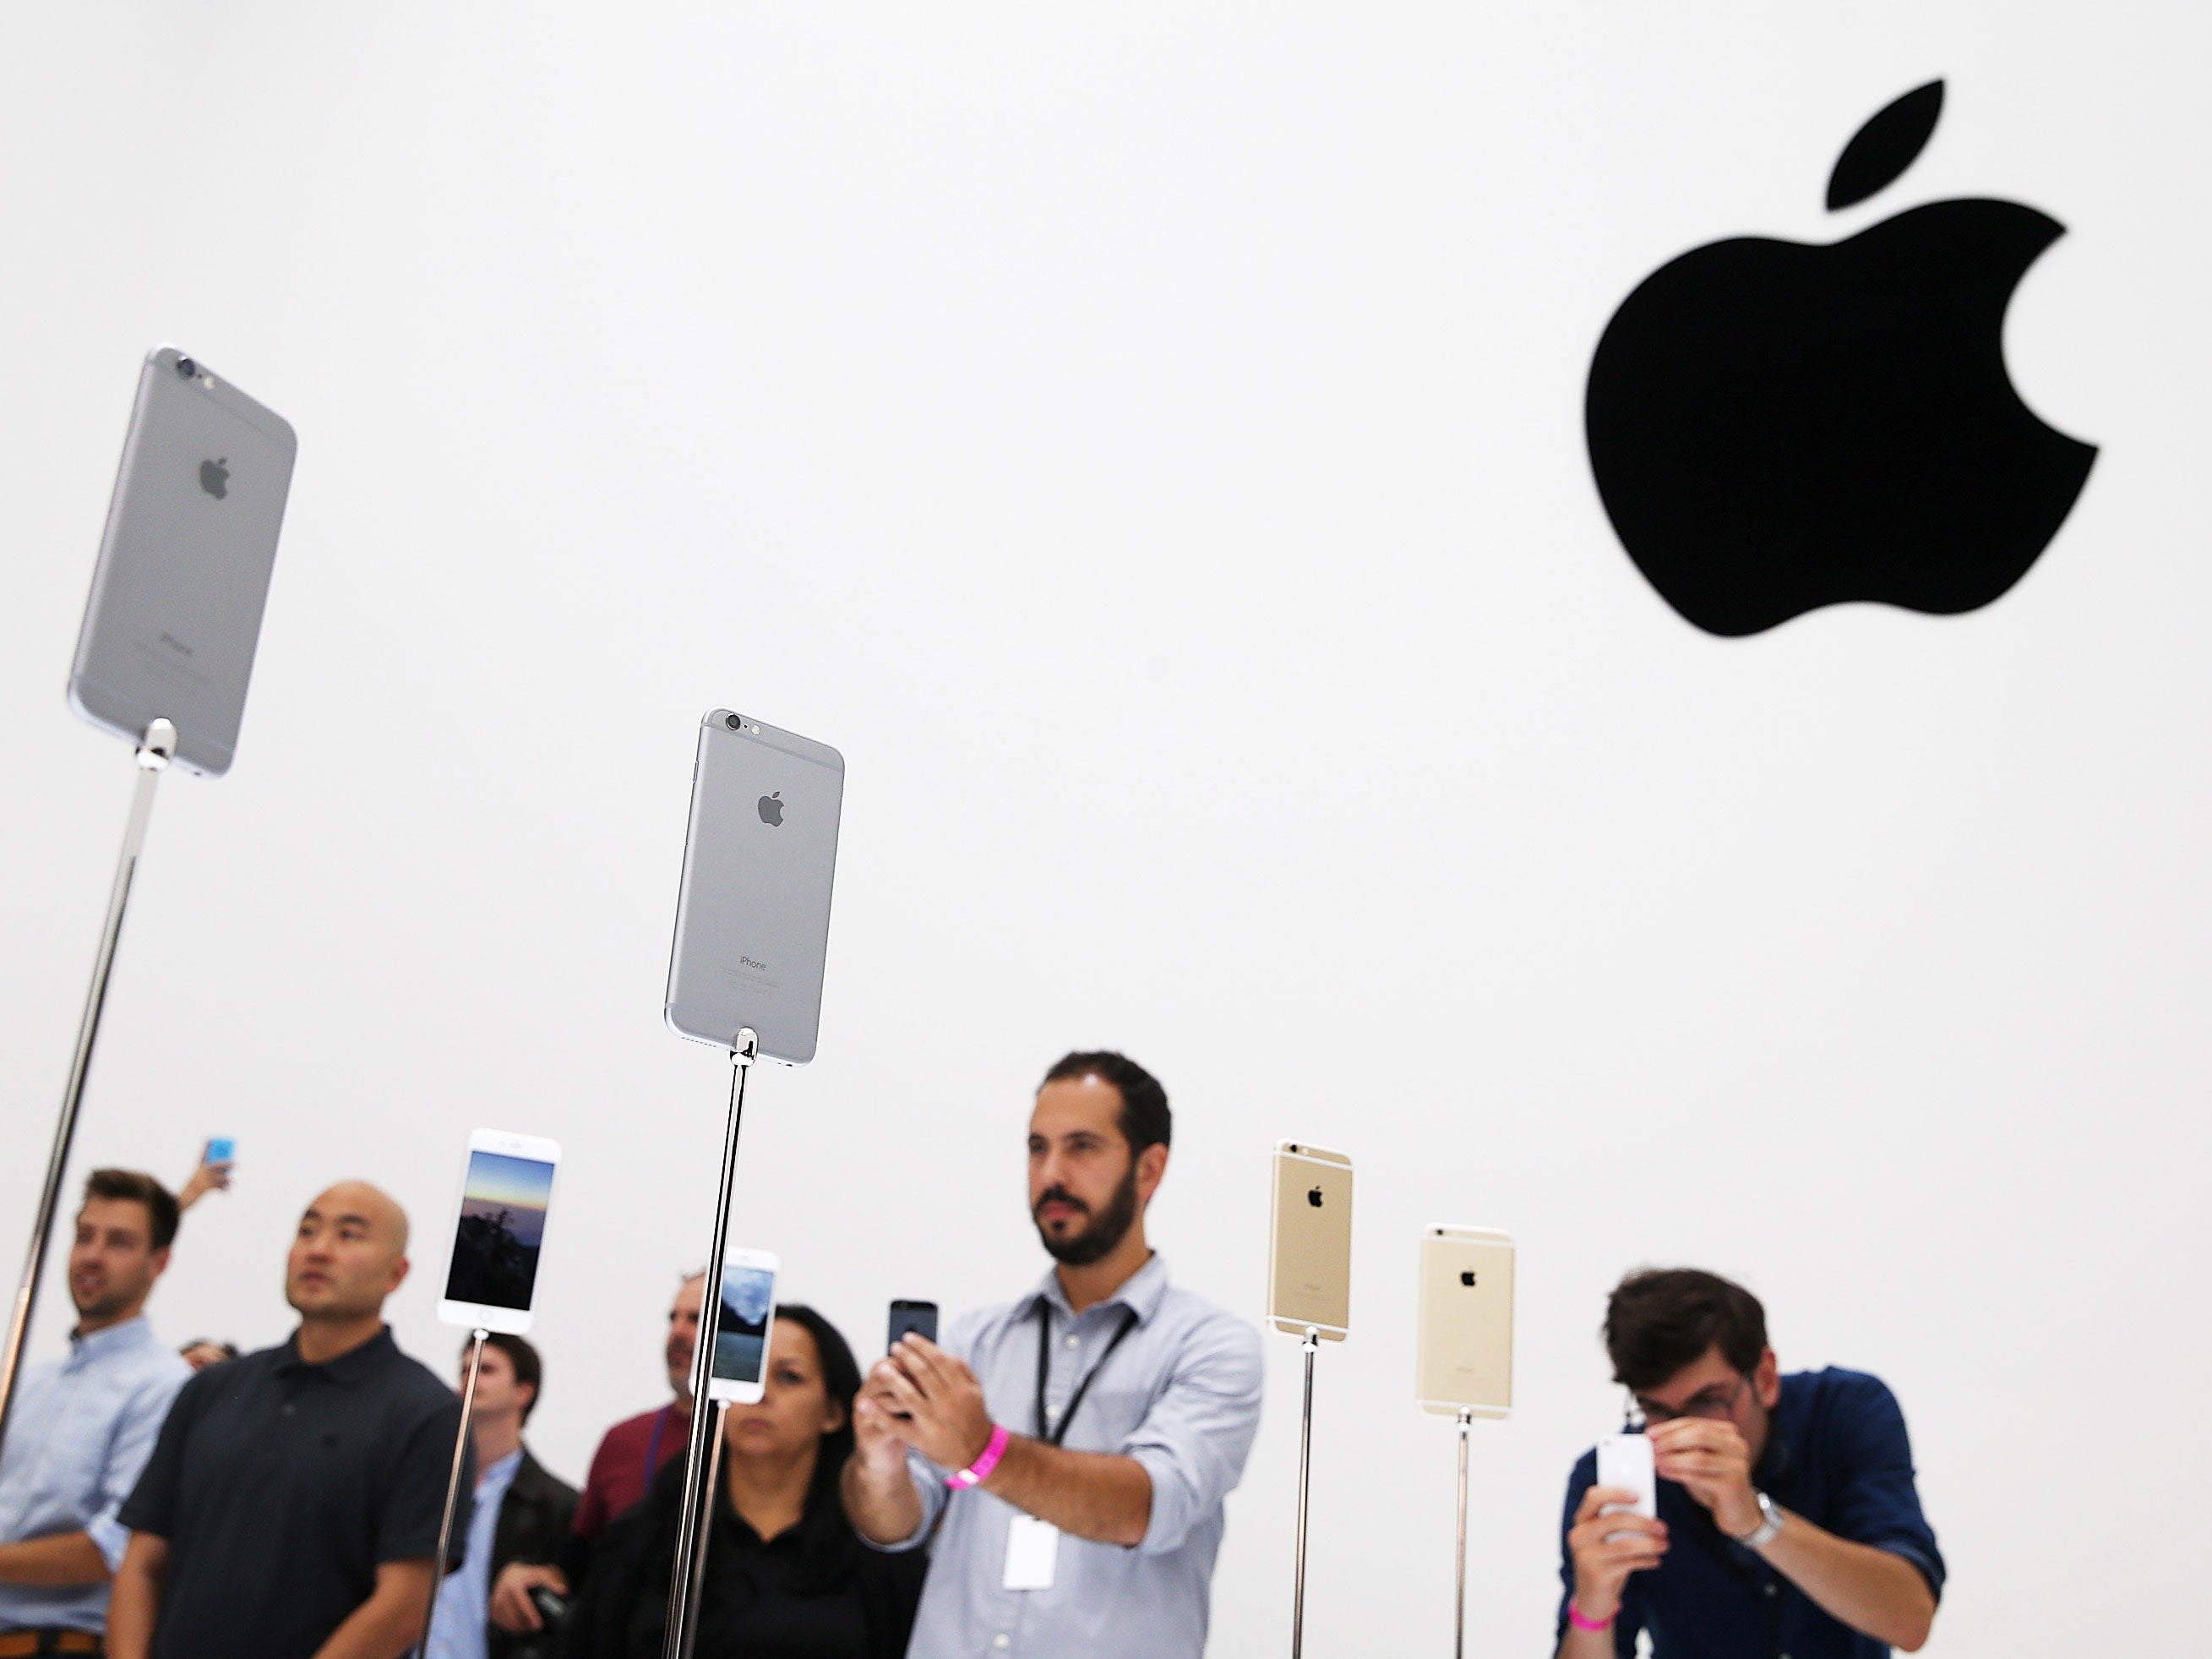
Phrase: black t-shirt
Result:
[281,1488]
[813,1592]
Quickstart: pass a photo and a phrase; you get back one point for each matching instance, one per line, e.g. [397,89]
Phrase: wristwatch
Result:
[1769,1526]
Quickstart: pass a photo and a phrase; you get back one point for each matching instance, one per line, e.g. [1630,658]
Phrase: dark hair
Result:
[841,1381]
[529,1369]
[161,1203]
[1660,1320]
[1145,1119]
[229,1349]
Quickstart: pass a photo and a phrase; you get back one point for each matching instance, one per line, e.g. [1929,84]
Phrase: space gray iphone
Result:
[752,920]
[184,567]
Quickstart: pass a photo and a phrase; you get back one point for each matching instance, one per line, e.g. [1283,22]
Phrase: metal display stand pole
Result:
[683,1607]
[453,1484]
[155,750]
[1459,1620]
[709,1499]
[1305,1463]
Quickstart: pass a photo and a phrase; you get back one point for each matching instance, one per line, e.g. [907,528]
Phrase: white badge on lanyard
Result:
[1032,1551]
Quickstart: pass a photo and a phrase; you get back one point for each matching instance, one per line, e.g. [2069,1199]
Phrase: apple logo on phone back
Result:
[1778,426]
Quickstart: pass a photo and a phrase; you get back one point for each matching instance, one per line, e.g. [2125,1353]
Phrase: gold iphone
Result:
[1309,1242]
[1465,1360]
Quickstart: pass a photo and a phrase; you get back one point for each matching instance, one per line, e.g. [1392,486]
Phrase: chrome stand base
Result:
[683,1609]
[1459,1560]
[1312,1346]
[708,1499]
[453,1485]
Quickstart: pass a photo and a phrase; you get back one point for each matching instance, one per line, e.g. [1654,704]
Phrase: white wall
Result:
[1147,441]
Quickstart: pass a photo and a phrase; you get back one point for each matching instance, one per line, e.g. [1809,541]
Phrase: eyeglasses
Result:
[1717,1402]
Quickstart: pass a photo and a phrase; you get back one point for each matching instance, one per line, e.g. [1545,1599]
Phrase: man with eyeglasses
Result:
[1789,1525]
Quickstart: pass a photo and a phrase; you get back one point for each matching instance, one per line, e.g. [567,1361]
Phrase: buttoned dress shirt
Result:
[81,1429]
[1836,1454]
[464,1599]
[1180,1393]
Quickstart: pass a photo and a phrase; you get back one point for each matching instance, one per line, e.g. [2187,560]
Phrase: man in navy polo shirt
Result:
[1789,1527]
[290,1509]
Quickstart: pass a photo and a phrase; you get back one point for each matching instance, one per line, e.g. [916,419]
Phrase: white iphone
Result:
[739,1373]
[1625,1461]
[506,1188]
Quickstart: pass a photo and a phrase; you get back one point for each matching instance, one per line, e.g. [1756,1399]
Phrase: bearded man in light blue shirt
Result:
[1069,1451]
[82,1426]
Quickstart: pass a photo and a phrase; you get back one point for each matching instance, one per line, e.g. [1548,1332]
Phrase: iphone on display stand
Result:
[1464,1360]
[738,1374]
[752,916]
[1309,1242]
[1308,1295]
[507,1188]
[174,616]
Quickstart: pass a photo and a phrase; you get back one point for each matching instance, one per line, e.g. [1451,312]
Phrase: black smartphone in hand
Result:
[918,1317]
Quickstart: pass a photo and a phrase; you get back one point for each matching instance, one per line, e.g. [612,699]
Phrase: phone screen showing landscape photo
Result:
[742,1342]
[502,1228]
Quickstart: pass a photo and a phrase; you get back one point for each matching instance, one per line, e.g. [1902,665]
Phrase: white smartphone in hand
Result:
[506,1189]
[739,1372]
[1625,1461]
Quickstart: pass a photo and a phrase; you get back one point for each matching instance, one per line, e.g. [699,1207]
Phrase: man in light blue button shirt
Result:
[1072,1448]
[82,1426]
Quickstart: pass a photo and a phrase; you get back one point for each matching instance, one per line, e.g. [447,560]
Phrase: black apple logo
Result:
[1775,426]
[1467,1278]
[771,809]
[214,476]
[1314,1198]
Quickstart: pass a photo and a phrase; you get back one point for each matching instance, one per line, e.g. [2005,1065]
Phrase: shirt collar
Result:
[1785,1427]
[501,1470]
[1140,1292]
[136,1331]
[354,1365]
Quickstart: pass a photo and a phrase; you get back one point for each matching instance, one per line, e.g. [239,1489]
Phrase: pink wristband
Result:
[1575,1618]
[980,1471]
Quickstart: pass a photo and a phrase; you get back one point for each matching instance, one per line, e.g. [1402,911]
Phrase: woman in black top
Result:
[786,1577]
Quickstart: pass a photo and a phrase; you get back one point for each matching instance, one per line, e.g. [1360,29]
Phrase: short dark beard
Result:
[1106,1231]
[104,1306]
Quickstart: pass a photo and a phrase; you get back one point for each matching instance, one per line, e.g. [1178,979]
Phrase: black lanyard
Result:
[1044,1363]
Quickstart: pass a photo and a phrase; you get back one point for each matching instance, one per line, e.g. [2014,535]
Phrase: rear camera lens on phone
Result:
[186,369]
[734,722]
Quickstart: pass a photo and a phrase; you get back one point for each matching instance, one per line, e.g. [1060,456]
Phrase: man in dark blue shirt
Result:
[1789,1527]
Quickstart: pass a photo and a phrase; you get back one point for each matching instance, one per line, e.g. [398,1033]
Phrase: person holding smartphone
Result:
[630,1455]
[1070,1450]
[1788,1519]
[218,1158]
[521,1510]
